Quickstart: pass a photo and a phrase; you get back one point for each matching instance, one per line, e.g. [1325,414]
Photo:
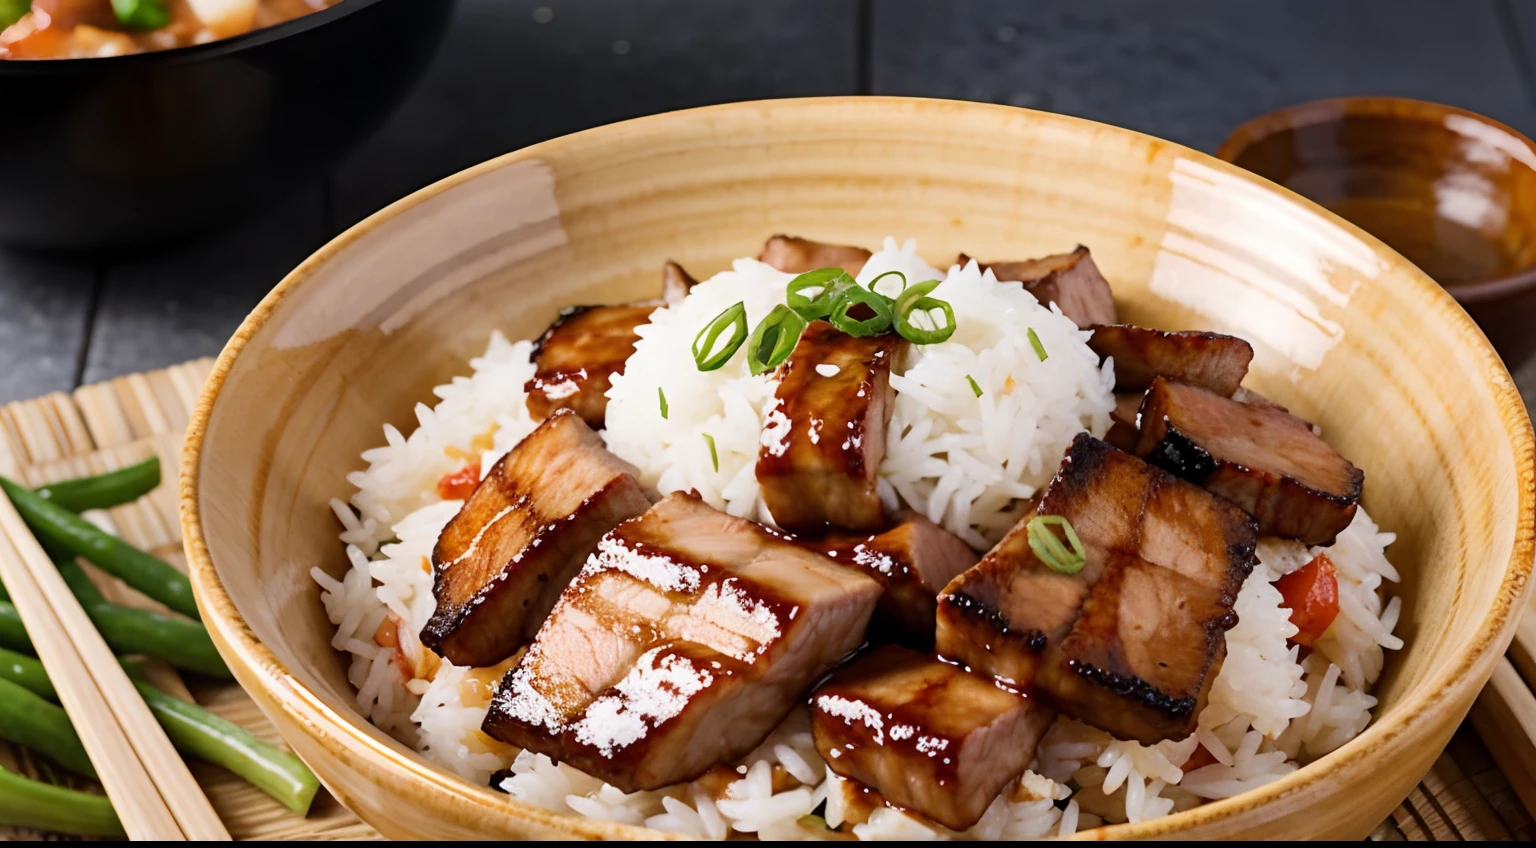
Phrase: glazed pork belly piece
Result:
[824,436]
[912,561]
[1209,360]
[685,639]
[1256,455]
[924,734]
[1130,642]
[795,255]
[675,283]
[578,355]
[500,563]
[1123,428]
[1070,280]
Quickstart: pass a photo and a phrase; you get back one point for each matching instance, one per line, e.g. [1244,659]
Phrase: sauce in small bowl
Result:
[1452,191]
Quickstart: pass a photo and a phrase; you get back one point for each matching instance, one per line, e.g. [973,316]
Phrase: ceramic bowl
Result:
[1346,332]
[1451,190]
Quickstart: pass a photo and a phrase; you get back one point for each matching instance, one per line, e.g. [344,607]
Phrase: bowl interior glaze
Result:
[1346,333]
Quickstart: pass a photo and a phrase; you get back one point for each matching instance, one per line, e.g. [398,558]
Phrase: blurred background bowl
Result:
[1451,190]
[143,148]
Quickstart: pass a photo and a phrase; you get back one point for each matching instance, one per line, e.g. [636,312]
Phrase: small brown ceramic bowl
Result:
[1345,332]
[1451,190]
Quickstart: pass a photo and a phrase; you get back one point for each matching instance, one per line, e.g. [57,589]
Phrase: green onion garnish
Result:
[1034,342]
[141,14]
[774,339]
[915,300]
[876,282]
[975,389]
[1056,555]
[713,456]
[705,354]
[877,323]
[662,396]
[814,293]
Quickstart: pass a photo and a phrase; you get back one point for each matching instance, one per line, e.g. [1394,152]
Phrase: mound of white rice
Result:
[961,459]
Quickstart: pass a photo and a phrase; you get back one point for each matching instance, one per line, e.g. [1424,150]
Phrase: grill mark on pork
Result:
[912,561]
[675,283]
[1131,641]
[1070,280]
[1260,457]
[501,562]
[824,437]
[576,358]
[686,638]
[1210,360]
[924,734]
[795,255]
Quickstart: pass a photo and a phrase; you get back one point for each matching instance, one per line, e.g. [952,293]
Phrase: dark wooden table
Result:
[512,72]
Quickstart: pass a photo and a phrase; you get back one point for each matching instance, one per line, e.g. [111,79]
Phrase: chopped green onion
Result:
[705,354]
[915,300]
[1034,342]
[774,339]
[141,14]
[11,11]
[1056,555]
[662,396]
[876,324]
[876,282]
[975,389]
[713,456]
[824,285]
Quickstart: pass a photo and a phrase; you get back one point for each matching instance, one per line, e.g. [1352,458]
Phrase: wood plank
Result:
[509,74]
[45,301]
[185,301]
[1192,71]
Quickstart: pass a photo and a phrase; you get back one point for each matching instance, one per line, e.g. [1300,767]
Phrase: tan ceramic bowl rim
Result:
[336,732]
[1335,110]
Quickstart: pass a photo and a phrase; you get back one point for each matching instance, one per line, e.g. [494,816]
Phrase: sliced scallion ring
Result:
[1064,557]
[876,281]
[1034,342]
[852,298]
[814,293]
[915,299]
[714,456]
[709,355]
[774,339]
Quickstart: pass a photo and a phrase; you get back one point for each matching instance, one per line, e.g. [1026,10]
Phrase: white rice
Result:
[961,459]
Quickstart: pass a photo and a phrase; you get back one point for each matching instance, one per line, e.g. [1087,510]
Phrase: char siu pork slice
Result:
[500,563]
[1130,642]
[912,562]
[1123,428]
[686,638]
[1070,280]
[578,356]
[795,255]
[675,283]
[1258,456]
[824,437]
[1209,360]
[924,734]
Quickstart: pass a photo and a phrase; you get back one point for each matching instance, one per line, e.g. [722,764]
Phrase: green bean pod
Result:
[28,720]
[182,643]
[59,528]
[101,491]
[28,673]
[40,806]
[13,634]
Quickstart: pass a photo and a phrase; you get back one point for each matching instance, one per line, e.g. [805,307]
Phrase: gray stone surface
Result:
[45,304]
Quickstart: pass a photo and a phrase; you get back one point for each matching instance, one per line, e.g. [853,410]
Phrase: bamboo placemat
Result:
[108,425]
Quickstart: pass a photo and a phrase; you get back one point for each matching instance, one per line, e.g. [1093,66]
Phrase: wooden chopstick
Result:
[157,790]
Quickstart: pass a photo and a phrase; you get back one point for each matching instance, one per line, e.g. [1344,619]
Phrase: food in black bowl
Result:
[133,121]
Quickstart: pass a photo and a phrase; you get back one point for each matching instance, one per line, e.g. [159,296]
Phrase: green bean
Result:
[28,803]
[142,14]
[105,490]
[63,529]
[201,734]
[12,634]
[28,720]
[27,673]
[182,643]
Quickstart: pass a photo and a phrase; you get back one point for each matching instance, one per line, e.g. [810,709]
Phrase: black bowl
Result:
[144,148]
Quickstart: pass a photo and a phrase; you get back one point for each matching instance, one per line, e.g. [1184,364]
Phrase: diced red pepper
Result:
[1200,758]
[1311,593]
[459,485]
